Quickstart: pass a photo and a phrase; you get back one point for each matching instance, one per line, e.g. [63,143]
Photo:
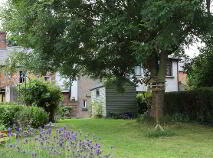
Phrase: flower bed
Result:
[53,143]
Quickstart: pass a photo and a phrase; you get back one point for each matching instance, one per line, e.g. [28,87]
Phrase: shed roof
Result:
[99,86]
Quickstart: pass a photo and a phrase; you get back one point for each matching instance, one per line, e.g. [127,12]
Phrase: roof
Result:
[5,53]
[99,86]
[174,57]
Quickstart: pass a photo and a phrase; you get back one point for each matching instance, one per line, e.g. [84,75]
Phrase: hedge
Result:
[11,114]
[197,105]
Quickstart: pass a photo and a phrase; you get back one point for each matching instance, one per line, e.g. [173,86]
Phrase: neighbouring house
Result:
[172,76]
[183,77]
[76,94]
[9,83]
[84,84]
[81,96]
[107,100]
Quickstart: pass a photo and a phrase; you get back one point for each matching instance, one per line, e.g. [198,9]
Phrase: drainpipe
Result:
[178,75]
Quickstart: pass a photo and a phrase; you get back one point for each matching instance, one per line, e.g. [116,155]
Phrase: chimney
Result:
[3,42]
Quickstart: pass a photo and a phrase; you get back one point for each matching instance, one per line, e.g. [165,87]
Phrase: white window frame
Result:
[138,71]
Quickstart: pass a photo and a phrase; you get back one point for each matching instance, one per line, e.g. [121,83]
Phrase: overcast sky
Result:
[192,50]
[2,2]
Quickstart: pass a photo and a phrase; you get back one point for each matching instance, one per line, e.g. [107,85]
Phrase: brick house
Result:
[8,82]
[80,92]
[76,95]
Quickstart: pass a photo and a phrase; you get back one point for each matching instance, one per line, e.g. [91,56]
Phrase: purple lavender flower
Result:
[10,132]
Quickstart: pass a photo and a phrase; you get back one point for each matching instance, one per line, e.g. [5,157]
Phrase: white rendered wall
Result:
[171,81]
[74,90]
[60,81]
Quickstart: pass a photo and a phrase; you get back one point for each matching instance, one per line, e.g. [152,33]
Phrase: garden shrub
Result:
[144,101]
[195,105]
[32,116]
[7,113]
[25,115]
[45,94]
[97,109]
[64,112]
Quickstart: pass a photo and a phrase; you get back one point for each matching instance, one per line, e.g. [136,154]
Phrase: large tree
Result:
[108,38]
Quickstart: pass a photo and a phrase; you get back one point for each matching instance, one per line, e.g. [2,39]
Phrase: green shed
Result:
[112,101]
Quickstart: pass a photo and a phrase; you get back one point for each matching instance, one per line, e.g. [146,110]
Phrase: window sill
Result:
[170,77]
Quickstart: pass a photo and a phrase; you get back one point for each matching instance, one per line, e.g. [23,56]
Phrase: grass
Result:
[134,140]
[131,139]
[159,133]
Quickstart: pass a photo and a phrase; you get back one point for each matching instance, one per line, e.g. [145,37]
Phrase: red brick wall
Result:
[6,80]
[3,40]
[183,77]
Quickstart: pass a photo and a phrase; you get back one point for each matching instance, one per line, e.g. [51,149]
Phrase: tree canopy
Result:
[27,61]
[104,37]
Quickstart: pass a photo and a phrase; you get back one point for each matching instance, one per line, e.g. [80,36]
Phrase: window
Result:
[22,76]
[46,78]
[97,93]
[169,68]
[84,104]
[138,71]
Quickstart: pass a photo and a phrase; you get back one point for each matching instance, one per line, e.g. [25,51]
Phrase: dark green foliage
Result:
[195,105]
[11,114]
[177,117]
[99,36]
[7,113]
[45,94]
[200,69]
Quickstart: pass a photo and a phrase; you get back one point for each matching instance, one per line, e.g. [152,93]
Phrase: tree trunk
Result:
[158,90]
[157,102]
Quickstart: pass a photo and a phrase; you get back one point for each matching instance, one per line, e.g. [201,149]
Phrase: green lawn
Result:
[130,139]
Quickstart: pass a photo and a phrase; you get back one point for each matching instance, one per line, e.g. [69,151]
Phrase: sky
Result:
[191,50]
[2,2]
